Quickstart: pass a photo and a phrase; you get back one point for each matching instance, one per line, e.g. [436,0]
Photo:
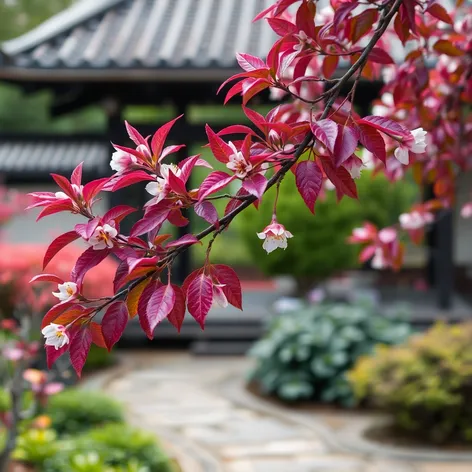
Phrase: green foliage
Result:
[35,446]
[114,447]
[306,354]
[4,400]
[318,248]
[98,358]
[73,411]
[425,383]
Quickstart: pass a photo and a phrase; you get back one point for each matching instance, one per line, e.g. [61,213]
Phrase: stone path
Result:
[199,408]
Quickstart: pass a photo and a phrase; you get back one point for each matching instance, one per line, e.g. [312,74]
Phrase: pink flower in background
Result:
[415,220]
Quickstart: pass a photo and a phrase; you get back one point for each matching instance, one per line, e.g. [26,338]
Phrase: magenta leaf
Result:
[237,129]
[55,208]
[47,278]
[177,219]
[373,141]
[282,27]
[220,149]
[76,177]
[135,135]
[379,56]
[177,315]
[64,184]
[153,218]
[187,165]
[385,125]
[118,213]
[160,136]
[143,303]
[120,275]
[234,202]
[126,180]
[255,185]
[187,239]
[159,305]
[92,189]
[79,348]
[114,323]
[250,63]
[308,177]
[367,253]
[200,298]
[346,144]
[232,286]
[176,184]
[97,334]
[340,178]
[214,182]
[59,243]
[189,279]
[207,211]
[86,261]
[326,132]
[52,354]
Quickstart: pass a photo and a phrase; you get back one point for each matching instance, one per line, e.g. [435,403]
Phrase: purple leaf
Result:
[114,323]
[59,243]
[79,348]
[200,298]
[159,306]
[153,218]
[326,132]
[255,185]
[86,261]
[232,286]
[214,182]
[373,141]
[385,125]
[207,211]
[177,315]
[346,144]
[308,177]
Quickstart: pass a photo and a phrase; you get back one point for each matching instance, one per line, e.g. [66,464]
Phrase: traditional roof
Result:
[143,39]
[37,158]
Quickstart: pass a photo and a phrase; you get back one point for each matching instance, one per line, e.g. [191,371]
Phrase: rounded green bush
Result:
[114,447]
[319,248]
[73,411]
[425,383]
[306,354]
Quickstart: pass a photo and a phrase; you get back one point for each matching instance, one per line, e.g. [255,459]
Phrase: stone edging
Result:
[349,439]
[190,457]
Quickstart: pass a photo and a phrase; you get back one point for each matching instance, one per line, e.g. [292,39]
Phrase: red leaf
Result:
[372,140]
[76,177]
[342,11]
[160,136]
[232,286]
[237,129]
[401,28]
[282,27]
[308,177]
[214,182]
[200,298]
[220,149]
[64,184]
[152,219]
[135,135]
[93,188]
[118,213]
[446,47]
[255,185]
[176,184]
[177,315]
[330,63]
[367,253]
[187,165]
[121,275]
[379,56]
[189,279]
[97,334]
[250,63]
[86,261]
[440,13]
[340,178]
[326,132]
[129,179]
[362,24]
[52,354]
[114,323]
[346,144]
[257,86]
[177,219]
[236,89]
[158,307]
[79,348]
[188,239]
[55,208]
[207,211]
[47,278]
[143,303]
[54,312]
[385,125]
[305,19]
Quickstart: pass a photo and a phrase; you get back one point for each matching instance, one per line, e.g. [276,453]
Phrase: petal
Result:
[288,234]
[418,148]
[401,154]
[152,188]
[270,244]
[261,235]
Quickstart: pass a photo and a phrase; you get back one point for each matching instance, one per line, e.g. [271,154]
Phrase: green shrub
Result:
[4,400]
[425,383]
[35,446]
[73,411]
[306,354]
[318,248]
[115,446]
[98,358]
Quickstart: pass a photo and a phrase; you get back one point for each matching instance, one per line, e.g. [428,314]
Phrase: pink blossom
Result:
[237,163]
[415,220]
[55,335]
[466,211]
[66,291]
[12,353]
[102,237]
[415,143]
[122,160]
[387,235]
[275,235]
[379,261]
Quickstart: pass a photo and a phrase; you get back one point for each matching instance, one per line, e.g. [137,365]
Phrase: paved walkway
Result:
[198,406]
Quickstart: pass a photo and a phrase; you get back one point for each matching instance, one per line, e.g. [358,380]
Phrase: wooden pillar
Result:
[443,261]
